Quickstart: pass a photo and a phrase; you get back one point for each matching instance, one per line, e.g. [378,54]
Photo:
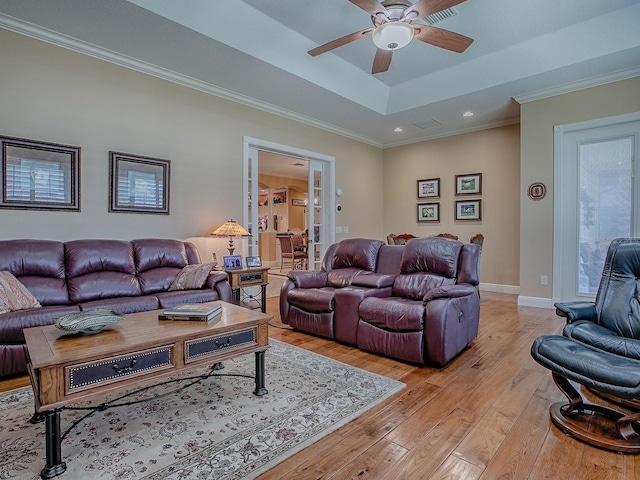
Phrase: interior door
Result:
[250,197]
[321,202]
[316,216]
[597,196]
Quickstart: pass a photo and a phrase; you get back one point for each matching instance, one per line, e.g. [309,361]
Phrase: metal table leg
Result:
[260,389]
[54,465]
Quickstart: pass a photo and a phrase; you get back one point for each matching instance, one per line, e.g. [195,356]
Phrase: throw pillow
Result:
[192,276]
[14,295]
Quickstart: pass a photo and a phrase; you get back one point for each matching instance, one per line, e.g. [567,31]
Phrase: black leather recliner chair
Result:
[600,349]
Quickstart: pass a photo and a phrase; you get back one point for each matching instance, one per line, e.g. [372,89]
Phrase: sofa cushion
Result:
[39,265]
[98,269]
[192,276]
[416,285]
[155,252]
[432,254]
[12,323]
[178,297]
[123,304]
[14,295]
[393,314]
[360,253]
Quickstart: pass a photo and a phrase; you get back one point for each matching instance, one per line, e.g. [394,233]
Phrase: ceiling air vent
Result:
[428,123]
[440,16]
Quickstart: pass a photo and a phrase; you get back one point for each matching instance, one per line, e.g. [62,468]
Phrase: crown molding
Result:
[54,38]
[579,85]
[450,133]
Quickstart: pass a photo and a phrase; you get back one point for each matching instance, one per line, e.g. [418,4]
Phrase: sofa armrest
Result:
[308,279]
[219,281]
[373,280]
[573,311]
[450,291]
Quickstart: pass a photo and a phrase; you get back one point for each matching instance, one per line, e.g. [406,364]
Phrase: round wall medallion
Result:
[537,191]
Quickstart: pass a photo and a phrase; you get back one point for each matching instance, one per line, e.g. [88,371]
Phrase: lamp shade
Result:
[392,35]
[230,229]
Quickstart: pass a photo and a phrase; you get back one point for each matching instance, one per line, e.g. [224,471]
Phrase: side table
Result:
[249,277]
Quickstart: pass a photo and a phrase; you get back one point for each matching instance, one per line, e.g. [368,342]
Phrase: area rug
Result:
[214,429]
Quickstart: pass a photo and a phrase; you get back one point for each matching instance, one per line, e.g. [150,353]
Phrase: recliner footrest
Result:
[593,368]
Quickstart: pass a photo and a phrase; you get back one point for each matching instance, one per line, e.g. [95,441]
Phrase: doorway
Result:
[597,193]
[270,208]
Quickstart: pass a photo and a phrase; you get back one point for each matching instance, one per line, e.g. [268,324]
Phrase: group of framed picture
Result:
[467,184]
[234,262]
[46,176]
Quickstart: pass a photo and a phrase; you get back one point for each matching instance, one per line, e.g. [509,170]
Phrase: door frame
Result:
[560,176]
[250,145]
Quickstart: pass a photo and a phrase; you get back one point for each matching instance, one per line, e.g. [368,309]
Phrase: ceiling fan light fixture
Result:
[392,35]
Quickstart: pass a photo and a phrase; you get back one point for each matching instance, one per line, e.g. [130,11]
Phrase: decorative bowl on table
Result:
[88,321]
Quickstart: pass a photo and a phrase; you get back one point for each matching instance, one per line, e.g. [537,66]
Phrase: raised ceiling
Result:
[255,52]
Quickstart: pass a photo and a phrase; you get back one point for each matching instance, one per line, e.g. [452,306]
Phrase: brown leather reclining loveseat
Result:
[65,277]
[417,302]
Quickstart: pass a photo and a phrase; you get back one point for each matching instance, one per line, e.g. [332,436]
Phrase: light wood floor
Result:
[483,416]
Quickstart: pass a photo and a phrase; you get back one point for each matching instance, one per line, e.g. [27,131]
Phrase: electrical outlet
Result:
[345,229]
[544,280]
[338,229]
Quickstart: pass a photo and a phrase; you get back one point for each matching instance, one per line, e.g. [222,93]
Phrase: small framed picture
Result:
[429,188]
[468,210]
[253,262]
[138,184]
[469,184]
[428,212]
[232,262]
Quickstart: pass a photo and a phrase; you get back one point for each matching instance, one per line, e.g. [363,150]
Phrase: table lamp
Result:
[231,229]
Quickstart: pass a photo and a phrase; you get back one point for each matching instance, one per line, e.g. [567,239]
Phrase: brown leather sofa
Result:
[126,276]
[417,302]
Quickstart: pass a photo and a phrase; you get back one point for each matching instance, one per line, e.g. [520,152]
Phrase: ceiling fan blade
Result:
[371,6]
[381,61]
[338,42]
[429,7]
[442,38]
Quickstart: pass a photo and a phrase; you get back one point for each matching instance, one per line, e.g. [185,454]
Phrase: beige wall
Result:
[52,94]
[55,95]
[537,121]
[496,154]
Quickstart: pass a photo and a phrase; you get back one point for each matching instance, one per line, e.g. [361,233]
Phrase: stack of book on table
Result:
[192,311]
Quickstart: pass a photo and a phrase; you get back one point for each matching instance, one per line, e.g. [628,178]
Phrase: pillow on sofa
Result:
[192,276]
[14,295]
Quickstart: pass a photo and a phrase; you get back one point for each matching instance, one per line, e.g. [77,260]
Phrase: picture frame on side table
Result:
[138,184]
[39,175]
[253,262]
[232,262]
[429,188]
[468,210]
[428,212]
[469,184]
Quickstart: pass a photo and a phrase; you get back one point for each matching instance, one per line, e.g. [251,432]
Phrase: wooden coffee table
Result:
[66,368]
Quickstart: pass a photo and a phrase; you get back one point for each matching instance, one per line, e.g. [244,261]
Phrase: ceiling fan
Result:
[394,28]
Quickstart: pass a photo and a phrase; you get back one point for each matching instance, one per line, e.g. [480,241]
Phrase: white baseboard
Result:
[538,302]
[494,287]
